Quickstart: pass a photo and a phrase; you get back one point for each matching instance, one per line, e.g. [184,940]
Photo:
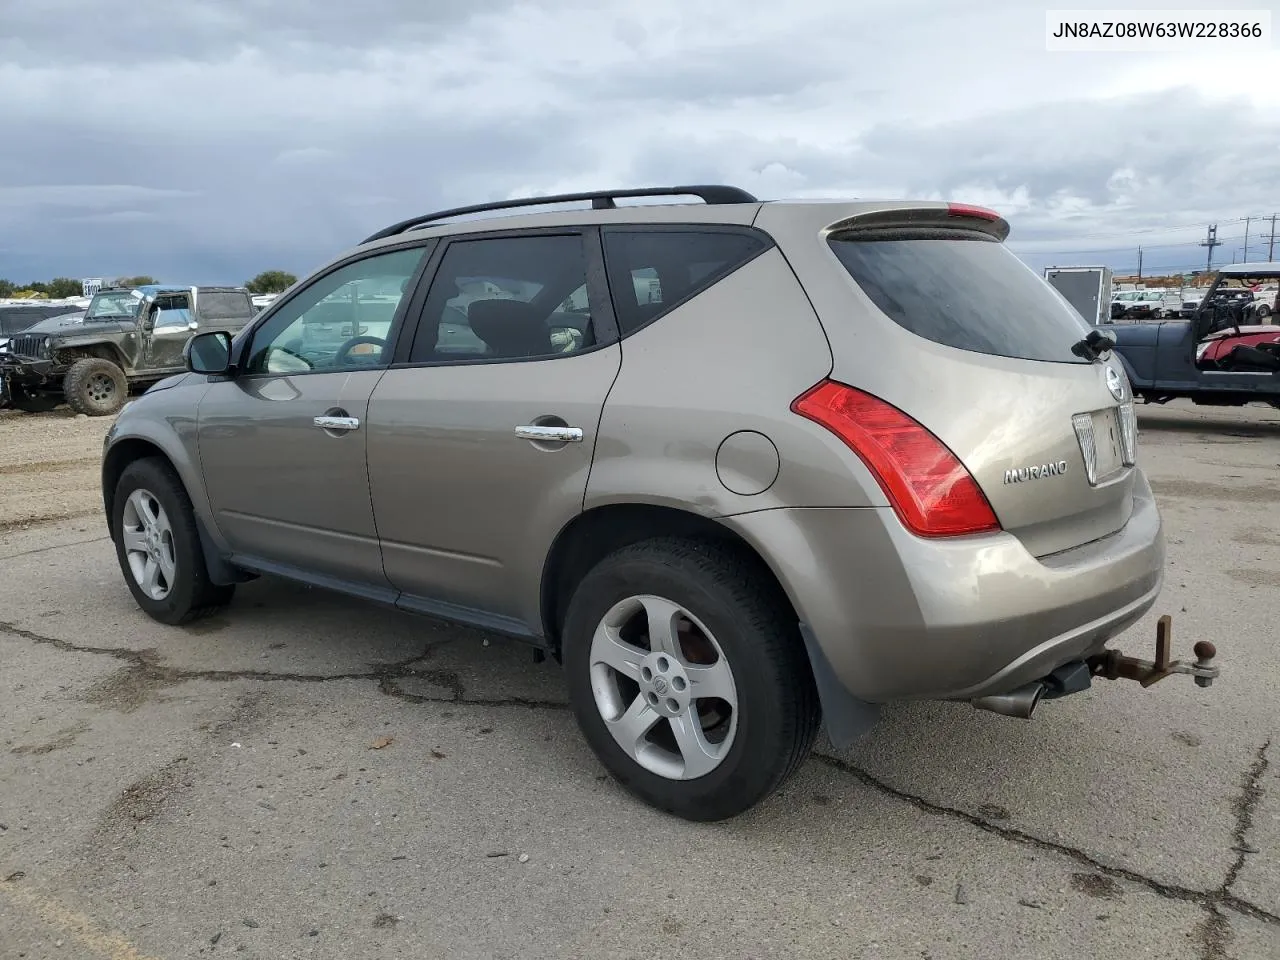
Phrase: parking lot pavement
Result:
[307,776]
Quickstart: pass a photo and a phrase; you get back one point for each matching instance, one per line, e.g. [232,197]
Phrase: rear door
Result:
[481,435]
[944,322]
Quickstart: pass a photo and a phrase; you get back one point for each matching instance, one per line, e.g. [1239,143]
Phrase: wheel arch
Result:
[93,349]
[595,533]
[123,451]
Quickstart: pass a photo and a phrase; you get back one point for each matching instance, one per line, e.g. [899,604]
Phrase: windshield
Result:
[119,304]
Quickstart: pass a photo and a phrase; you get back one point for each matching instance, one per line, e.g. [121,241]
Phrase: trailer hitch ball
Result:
[1205,651]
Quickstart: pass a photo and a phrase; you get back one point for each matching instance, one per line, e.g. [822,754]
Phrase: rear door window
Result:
[507,298]
[651,272]
[964,292]
[224,305]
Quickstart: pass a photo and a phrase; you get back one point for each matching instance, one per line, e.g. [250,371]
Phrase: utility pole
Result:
[1211,240]
[1271,240]
[1139,264]
[1244,258]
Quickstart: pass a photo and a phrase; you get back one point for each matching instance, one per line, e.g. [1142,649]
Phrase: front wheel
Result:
[158,545]
[688,676]
[95,387]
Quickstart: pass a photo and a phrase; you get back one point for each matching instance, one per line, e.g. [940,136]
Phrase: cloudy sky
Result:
[205,140]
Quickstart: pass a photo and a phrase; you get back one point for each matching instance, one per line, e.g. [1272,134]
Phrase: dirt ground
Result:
[49,466]
[309,776]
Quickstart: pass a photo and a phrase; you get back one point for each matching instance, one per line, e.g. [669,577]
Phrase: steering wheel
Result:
[346,348]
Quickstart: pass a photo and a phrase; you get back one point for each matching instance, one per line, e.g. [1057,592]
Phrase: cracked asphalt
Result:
[309,776]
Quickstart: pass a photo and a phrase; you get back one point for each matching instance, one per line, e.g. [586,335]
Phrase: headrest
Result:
[510,328]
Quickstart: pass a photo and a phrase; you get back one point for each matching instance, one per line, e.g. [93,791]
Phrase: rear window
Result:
[224,305]
[968,293]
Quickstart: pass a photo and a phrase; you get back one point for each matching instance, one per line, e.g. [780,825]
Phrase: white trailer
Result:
[1088,289]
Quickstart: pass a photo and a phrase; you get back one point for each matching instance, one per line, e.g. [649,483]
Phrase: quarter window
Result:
[507,298]
[340,322]
[651,272]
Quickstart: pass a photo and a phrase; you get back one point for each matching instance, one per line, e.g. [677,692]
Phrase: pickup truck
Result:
[128,338]
[1164,360]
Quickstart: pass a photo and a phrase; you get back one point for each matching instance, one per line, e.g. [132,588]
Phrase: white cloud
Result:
[274,132]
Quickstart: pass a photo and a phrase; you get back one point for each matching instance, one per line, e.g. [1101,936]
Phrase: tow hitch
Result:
[1114,665]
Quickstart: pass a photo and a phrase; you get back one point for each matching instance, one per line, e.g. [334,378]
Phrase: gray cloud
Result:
[214,139]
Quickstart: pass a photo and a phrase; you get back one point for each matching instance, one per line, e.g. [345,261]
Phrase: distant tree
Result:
[37,286]
[60,287]
[271,281]
[139,281]
[7,288]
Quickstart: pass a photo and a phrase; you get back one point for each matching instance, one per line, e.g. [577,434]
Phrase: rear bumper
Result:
[899,617]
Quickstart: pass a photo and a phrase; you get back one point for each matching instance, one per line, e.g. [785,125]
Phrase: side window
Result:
[171,313]
[653,271]
[506,298]
[339,322]
[223,305]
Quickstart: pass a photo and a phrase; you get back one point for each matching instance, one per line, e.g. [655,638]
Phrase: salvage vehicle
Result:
[128,338]
[1138,305]
[17,317]
[1167,360]
[826,456]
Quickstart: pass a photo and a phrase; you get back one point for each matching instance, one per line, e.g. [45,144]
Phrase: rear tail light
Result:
[930,489]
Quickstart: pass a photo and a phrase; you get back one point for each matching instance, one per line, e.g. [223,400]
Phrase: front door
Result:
[167,326]
[480,444]
[283,443]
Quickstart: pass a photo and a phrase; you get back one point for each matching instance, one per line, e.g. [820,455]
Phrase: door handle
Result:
[550,434]
[337,423]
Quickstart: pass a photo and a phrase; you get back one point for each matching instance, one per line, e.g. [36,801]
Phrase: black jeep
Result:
[129,337]
[1167,360]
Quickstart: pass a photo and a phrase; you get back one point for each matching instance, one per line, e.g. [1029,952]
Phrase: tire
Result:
[732,598]
[95,387]
[187,594]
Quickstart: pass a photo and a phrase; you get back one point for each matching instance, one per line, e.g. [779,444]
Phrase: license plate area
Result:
[1106,440]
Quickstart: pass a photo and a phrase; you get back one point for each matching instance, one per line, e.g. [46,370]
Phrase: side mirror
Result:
[208,353]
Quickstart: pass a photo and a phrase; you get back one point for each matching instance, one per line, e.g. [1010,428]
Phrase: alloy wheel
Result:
[664,687]
[148,544]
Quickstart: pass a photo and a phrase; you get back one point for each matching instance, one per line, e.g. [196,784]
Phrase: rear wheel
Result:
[688,676]
[95,387]
[158,545]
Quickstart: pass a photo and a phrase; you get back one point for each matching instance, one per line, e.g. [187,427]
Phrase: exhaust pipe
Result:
[1020,703]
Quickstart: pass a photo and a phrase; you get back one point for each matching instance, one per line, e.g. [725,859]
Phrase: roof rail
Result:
[600,200]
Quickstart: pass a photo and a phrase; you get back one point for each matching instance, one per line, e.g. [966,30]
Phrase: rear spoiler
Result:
[925,219]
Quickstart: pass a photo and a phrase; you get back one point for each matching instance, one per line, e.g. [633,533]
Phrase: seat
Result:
[510,328]
[1251,358]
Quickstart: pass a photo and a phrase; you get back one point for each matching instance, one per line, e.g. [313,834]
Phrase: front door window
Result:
[342,321]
